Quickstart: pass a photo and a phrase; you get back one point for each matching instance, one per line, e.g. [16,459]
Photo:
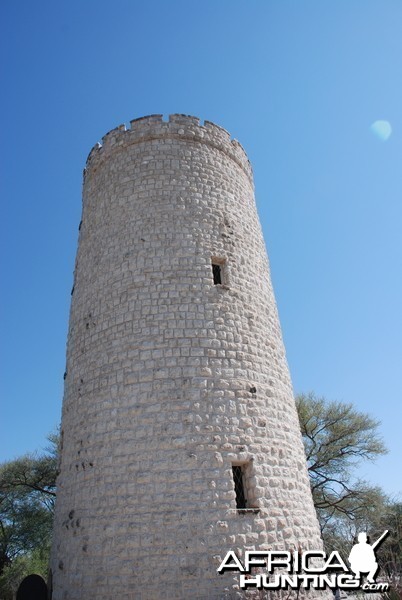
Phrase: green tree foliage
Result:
[27,495]
[336,438]
[390,552]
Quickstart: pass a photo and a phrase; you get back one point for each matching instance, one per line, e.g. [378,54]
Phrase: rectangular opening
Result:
[218,270]
[240,490]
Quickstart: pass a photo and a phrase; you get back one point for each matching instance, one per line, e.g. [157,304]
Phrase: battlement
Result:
[178,126]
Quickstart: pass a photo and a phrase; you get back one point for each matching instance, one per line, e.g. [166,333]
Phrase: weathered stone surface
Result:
[171,379]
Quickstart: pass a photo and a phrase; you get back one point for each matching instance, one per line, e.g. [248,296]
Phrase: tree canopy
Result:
[27,495]
[336,439]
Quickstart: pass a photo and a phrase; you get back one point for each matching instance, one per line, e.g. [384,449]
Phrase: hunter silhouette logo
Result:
[362,557]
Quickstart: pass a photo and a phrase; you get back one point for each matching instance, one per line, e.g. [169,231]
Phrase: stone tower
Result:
[180,438]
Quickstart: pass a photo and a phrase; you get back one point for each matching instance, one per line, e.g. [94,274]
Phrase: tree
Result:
[336,438]
[390,552]
[27,495]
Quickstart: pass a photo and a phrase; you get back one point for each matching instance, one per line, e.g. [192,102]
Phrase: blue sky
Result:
[298,84]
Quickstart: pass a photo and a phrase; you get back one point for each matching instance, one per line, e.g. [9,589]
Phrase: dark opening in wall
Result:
[218,270]
[238,478]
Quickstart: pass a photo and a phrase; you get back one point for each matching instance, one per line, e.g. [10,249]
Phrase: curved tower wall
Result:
[172,379]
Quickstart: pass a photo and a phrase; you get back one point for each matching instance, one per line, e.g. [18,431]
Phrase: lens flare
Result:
[381,129]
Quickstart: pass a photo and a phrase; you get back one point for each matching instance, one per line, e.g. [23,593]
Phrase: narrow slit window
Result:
[218,270]
[238,478]
[217,273]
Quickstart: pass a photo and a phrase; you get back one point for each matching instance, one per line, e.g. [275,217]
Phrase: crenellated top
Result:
[183,127]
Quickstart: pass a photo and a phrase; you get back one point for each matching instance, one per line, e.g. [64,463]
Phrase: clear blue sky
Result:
[299,84]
